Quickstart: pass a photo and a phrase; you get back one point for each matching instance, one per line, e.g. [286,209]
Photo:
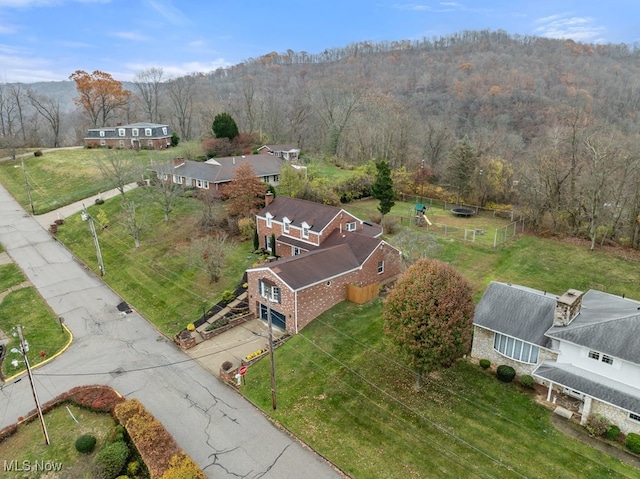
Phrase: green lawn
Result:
[28,443]
[342,390]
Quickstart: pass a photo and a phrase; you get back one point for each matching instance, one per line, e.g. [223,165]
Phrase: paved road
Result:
[221,431]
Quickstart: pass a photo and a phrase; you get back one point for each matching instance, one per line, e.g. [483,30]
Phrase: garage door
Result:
[277,319]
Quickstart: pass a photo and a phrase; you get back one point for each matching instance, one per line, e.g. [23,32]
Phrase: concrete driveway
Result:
[220,430]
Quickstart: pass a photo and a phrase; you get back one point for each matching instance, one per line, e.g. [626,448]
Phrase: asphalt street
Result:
[219,429]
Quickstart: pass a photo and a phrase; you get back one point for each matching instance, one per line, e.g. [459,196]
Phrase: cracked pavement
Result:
[218,428]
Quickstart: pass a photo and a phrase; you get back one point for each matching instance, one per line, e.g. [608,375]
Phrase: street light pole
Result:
[86,216]
[24,349]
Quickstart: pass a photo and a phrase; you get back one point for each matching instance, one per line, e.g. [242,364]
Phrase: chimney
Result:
[567,307]
[268,198]
[178,162]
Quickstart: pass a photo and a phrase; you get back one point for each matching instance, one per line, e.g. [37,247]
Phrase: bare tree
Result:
[132,222]
[150,87]
[182,92]
[165,193]
[49,108]
[210,253]
[118,167]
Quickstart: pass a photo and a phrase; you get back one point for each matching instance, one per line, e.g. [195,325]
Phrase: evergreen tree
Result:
[463,159]
[382,188]
[224,126]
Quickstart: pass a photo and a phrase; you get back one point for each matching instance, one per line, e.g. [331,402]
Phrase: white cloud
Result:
[566,26]
[174,70]
[167,10]
[138,37]
[7,29]
[43,3]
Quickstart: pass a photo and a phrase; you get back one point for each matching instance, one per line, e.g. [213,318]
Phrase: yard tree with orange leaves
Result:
[100,95]
[245,193]
[428,316]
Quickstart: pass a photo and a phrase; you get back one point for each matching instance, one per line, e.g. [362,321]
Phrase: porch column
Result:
[549,392]
[586,411]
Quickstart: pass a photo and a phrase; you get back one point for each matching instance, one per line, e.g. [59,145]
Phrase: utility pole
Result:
[86,216]
[24,348]
[273,364]
[26,182]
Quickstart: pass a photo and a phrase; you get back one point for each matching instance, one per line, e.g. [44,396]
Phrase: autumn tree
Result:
[100,95]
[224,126]
[382,188]
[428,316]
[245,192]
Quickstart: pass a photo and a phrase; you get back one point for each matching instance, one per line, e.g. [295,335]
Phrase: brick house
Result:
[136,136]
[323,250]
[585,345]
[217,171]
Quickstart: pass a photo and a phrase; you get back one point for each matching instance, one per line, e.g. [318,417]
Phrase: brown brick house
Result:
[136,136]
[323,250]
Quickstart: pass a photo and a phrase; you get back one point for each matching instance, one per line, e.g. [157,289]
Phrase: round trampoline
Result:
[463,211]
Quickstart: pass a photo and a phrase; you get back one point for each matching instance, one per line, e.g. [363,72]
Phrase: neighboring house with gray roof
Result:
[136,136]
[586,345]
[324,250]
[217,171]
[286,152]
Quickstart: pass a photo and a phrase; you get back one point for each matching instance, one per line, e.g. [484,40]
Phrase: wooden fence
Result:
[362,294]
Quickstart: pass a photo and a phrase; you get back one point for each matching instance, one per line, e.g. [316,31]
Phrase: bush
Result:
[485,363]
[597,425]
[527,381]
[111,459]
[375,217]
[633,442]
[133,468]
[99,201]
[389,225]
[37,153]
[613,432]
[85,443]
[505,373]
[228,296]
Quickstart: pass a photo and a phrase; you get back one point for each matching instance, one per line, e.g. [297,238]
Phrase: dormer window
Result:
[285,224]
[269,217]
[102,133]
[121,132]
[305,230]
[351,226]
[147,132]
[134,132]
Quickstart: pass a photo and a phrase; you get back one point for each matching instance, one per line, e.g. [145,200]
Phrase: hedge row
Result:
[158,449]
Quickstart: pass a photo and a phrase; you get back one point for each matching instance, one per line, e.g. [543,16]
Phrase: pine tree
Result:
[224,126]
[382,188]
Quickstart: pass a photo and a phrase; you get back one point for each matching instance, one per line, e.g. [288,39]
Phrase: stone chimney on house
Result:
[178,162]
[268,198]
[567,307]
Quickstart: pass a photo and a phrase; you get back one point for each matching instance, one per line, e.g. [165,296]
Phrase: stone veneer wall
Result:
[616,415]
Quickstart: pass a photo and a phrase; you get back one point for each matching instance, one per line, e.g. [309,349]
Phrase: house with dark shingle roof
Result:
[286,152]
[136,136]
[323,251]
[586,345]
[218,171]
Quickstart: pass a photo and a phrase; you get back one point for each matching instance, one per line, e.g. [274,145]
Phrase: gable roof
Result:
[280,147]
[516,311]
[298,211]
[606,323]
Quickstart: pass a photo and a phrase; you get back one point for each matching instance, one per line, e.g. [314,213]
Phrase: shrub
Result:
[228,296]
[182,466]
[133,468]
[389,225]
[613,432]
[485,363]
[375,217]
[37,153]
[112,458]
[85,443]
[99,201]
[633,442]
[227,365]
[505,373]
[597,425]
[527,381]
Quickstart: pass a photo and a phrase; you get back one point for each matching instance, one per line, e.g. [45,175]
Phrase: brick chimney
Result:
[268,198]
[178,162]
[567,307]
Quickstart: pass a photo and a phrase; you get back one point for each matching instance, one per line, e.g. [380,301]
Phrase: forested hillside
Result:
[549,125]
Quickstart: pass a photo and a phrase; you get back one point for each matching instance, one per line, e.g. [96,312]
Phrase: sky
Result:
[47,40]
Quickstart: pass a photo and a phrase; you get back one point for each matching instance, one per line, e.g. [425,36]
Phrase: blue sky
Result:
[43,40]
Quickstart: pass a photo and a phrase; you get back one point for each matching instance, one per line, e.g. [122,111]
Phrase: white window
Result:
[150,143]
[380,267]
[102,133]
[177,179]
[103,142]
[515,349]
[594,355]
[271,293]
[202,184]
[164,130]
[269,220]
[607,359]
[600,357]
[121,132]
[285,225]
[276,178]
[164,176]
[305,230]
[351,226]
[134,132]
[634,417]
[121,143]
[295,251]
[147,132]
[267,242]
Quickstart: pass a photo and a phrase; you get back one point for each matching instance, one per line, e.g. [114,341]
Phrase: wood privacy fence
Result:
[362,294]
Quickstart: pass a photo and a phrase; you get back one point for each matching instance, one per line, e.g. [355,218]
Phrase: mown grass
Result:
[162,279]
[342,390]
[61,177]
[10,275]
[28,444]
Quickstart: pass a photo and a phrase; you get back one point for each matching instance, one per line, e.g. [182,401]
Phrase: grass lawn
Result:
[28,443]
[61,177]
[160,278]
[342,391]
[10,275]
